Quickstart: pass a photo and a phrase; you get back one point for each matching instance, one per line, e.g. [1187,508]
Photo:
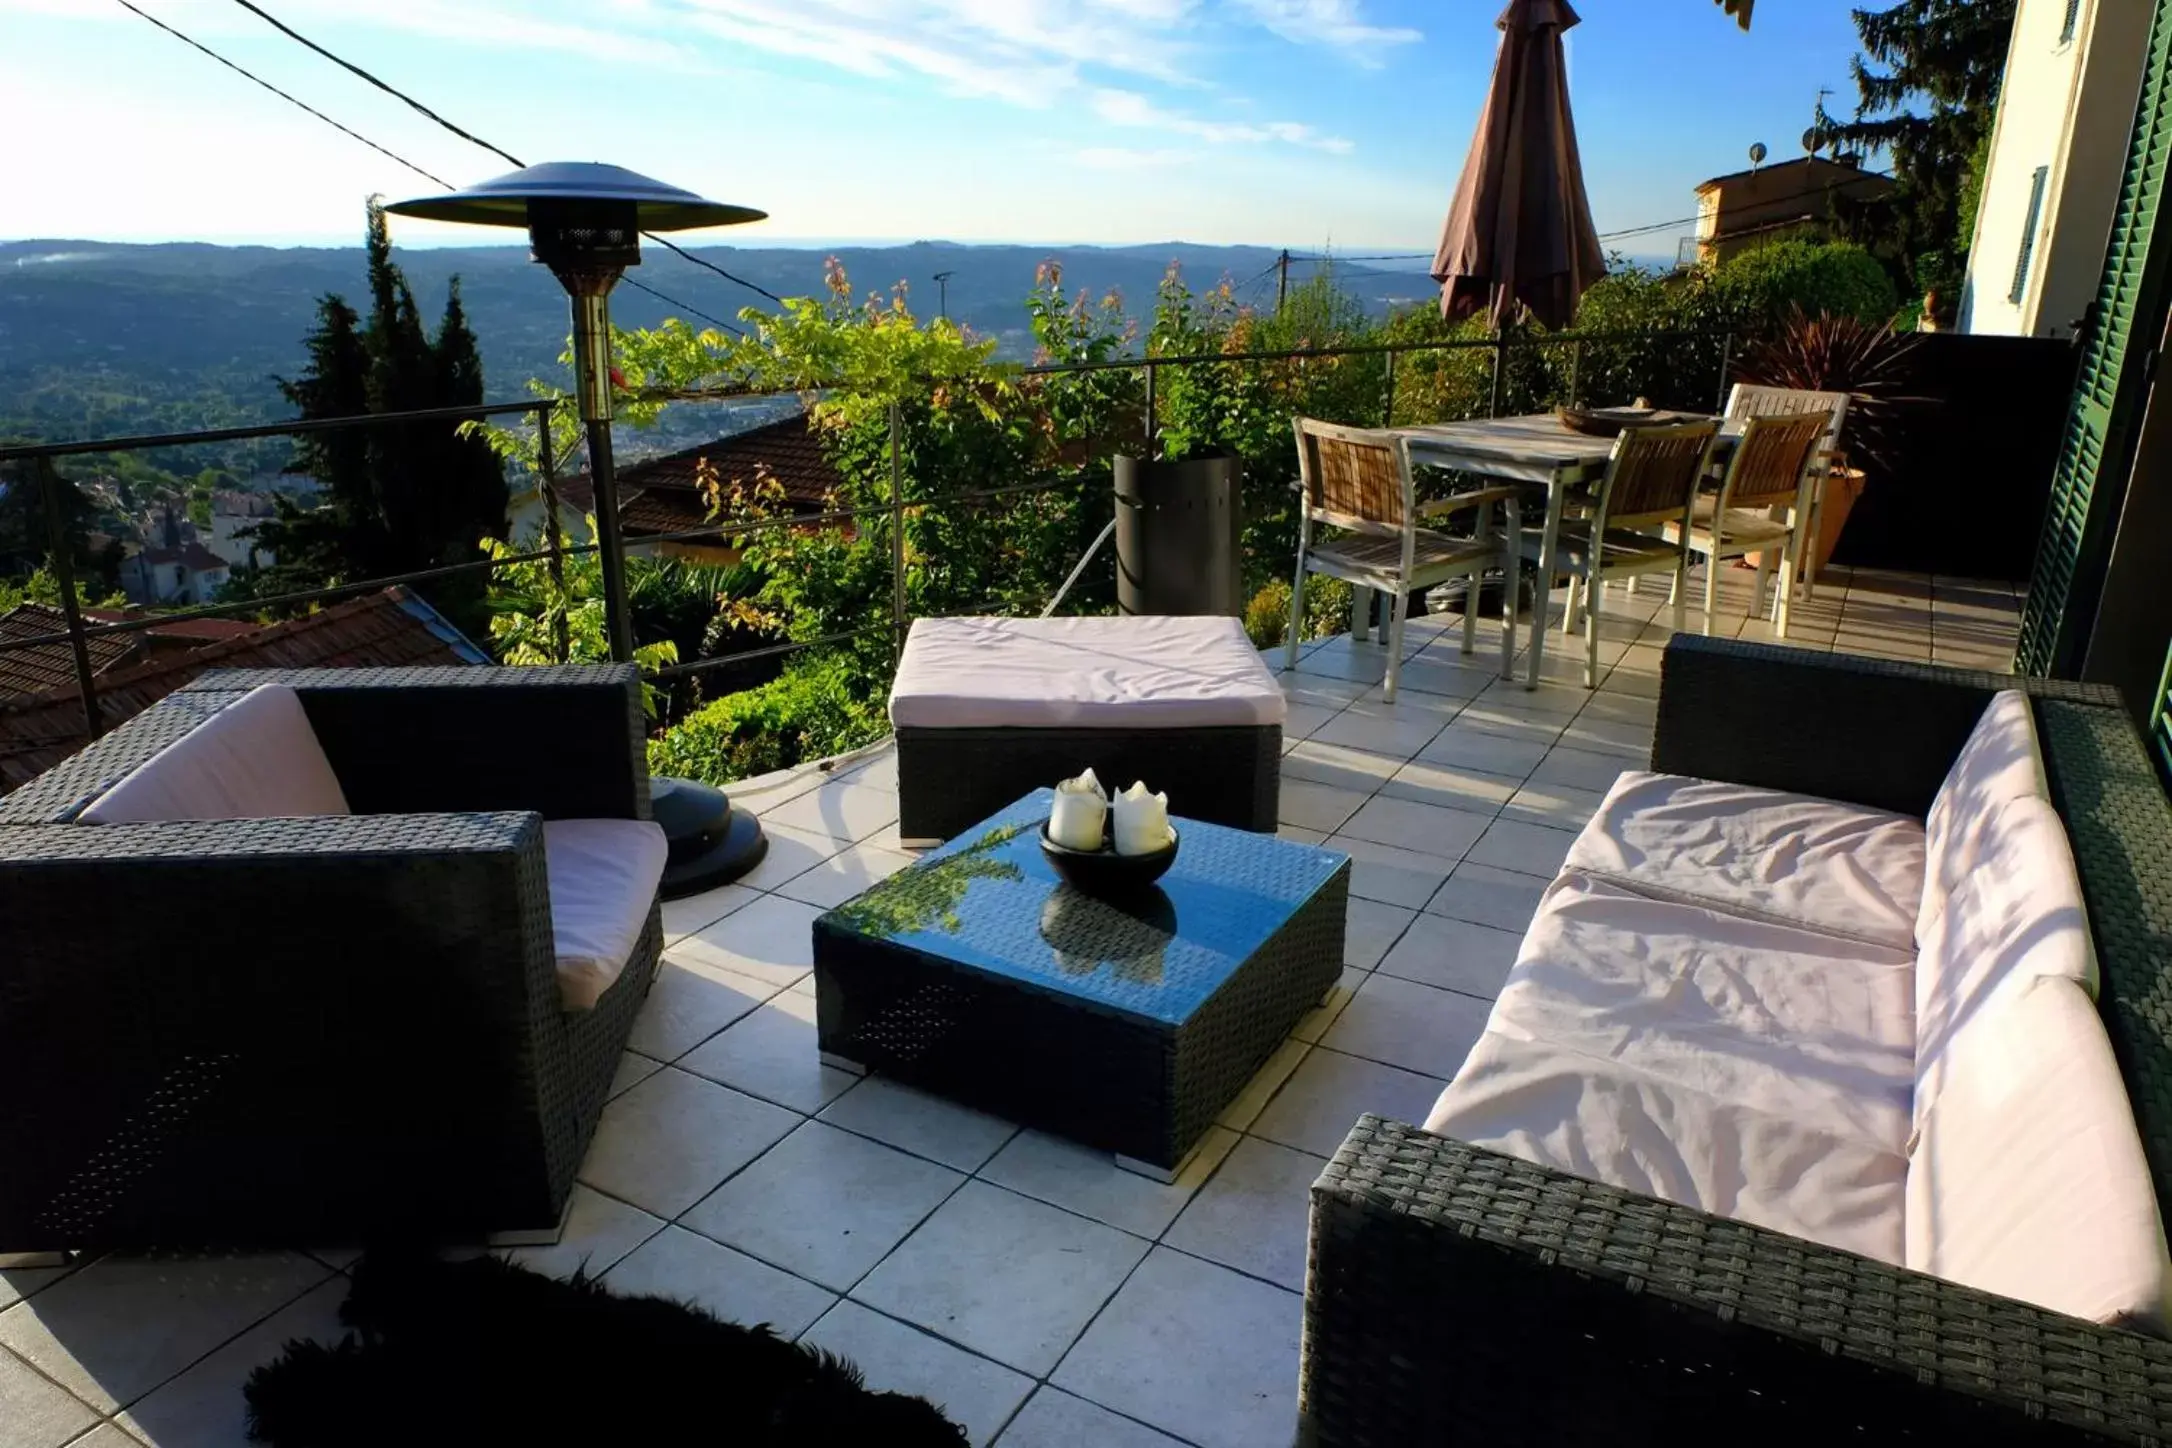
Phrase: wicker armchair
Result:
[314,1030]
[1460,1295]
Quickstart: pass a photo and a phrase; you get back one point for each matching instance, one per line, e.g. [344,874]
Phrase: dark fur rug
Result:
[481,1352]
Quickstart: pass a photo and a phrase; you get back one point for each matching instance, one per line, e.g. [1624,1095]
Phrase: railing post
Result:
[1727,357]
[56,533]
[1387,412]
[897,529]
[1153,425]
[547,472]
[1500,369]
[1576,368]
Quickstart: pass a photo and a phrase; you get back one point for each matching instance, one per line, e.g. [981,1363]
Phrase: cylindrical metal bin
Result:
[1179,536]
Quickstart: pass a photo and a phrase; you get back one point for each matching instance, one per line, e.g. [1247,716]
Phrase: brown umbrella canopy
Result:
[1520,229]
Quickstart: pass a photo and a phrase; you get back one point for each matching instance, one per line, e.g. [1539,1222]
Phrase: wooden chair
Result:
[1650,484]
[1360,481]
[1749,400]
[1762,507]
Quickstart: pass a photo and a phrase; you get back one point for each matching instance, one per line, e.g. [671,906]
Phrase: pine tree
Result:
[1927,85]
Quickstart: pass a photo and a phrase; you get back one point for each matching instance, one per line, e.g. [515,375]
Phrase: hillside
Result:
[97,338]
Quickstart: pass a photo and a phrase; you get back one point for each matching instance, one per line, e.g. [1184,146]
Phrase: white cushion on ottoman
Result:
[1094,673]
[603,878]
[255,759]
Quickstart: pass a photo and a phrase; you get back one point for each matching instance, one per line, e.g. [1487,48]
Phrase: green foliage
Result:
[1327,610]
[42,587]
[814,709]
[1927,85]
[538,619]
[1757,288]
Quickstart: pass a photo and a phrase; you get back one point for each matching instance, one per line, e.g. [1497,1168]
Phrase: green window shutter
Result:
[2088,484]
[2028,235]
[2073,15]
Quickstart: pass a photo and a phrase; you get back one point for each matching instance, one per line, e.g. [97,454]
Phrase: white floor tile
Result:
[791,852]
[693,998]
[1443,671]
[1402,1023]
[1529,849]
[1578,769]
[1450,787]
[1427,829]
[205,1405]
[682,1265]
[633,1069]
[1195,1349]
[599,1231]
[1089,1182]
[1389,874]
[1303,718]
[923,1124]
[1339,765]
[971,1391]
[1486,895]
[1317,806]
[1628,738]
[824,1204]
[1299,835]
[1454,955]
[880,770]
[1319,691]
[667,1143]
[125,1324]
[34,1413]
[1255,1214]
[1314,1023]
[1556,806]
[771,939]
[770,1052]
[684,917]
[1400,729]
[105,1435]
[1055,1419]
[843,811]
[1006,1276]
[1464,745]
[19,1282]
[1330,1091]
[1372,928]
[845,876]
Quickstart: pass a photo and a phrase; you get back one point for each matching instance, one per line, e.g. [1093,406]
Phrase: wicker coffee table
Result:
[1123,1024]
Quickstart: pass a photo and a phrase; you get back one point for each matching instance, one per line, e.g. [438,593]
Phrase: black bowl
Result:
[1103,871]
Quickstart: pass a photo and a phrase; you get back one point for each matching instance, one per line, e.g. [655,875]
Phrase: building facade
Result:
[2058,149]
[1784,201]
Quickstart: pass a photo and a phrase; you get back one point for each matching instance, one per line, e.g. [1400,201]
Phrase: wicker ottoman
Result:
[988,709]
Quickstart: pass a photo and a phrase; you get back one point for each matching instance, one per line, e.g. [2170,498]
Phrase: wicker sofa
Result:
[1462,1294]
[315,1030]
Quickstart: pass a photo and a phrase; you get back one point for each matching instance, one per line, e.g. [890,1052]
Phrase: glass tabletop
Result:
[990,901]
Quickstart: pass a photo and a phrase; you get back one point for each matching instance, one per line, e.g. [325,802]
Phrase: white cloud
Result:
[1130,109]
[1336,24]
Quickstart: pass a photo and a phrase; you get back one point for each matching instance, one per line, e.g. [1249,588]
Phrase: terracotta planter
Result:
[1841,491]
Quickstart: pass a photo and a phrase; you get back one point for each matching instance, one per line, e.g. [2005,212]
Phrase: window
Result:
[2073,16]
[2028,234]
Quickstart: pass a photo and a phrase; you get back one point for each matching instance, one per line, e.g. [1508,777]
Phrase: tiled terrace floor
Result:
[1050,1300]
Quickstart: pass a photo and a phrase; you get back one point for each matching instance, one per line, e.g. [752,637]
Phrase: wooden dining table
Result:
[1539,450]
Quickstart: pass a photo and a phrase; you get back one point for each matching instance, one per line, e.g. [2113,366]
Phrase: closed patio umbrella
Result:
[1520,228]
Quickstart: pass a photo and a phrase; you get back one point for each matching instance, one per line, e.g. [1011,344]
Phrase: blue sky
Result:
[1305,123]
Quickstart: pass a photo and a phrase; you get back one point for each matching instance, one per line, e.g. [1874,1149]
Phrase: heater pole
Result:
[592,379]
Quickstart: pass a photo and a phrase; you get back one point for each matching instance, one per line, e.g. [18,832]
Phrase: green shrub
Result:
[809,712]
[1327,611]
[1834,276]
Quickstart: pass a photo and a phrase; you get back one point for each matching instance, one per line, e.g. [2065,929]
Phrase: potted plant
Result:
[1832,352]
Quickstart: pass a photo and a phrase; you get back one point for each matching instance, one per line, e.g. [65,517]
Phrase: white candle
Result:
[1079,814]
[1142,821]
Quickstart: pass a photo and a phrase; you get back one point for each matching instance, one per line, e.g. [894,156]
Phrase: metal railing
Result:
[79,631]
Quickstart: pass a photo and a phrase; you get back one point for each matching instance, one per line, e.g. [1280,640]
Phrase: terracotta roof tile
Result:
[661,495]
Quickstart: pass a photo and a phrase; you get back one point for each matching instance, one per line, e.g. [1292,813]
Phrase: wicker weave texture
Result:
[951,779]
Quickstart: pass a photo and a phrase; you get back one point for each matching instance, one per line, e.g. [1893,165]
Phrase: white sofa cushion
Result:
[2002,761]
[1790,1023]
[1789,858]
[1103,673]
[2028,1179]
[1606,1121]
[255,759]
[603,876]
[2015,917]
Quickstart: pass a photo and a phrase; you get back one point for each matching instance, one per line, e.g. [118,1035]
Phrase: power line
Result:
[380,150]
[466,135]
[290,100]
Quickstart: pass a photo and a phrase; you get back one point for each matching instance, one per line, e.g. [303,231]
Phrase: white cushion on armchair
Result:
[603,879]
[255,759]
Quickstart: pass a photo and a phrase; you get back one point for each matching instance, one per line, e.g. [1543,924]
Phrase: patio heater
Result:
[584,222]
